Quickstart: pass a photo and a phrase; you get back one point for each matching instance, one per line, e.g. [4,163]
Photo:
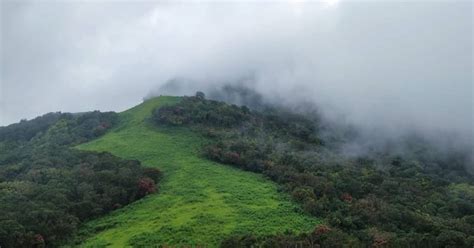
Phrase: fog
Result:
[390,67]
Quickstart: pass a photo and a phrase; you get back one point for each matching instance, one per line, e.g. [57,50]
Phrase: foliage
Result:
[194,110]
[200,202]
[381,199]
[384,199]
[47,189]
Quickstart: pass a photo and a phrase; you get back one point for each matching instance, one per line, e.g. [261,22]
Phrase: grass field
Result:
[200,202]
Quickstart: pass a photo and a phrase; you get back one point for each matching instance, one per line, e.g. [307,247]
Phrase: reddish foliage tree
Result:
[379,241]
[146,186]
[38,240]
[322,229]
[104,125]
[346,197]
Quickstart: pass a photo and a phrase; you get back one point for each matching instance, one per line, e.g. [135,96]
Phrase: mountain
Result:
[187,171]
[200,202]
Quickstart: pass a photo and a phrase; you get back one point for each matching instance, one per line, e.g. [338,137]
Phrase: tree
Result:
[200,95]
[146,186]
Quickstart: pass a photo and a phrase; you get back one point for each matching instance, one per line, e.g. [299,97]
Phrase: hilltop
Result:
[200,202]
[188,171]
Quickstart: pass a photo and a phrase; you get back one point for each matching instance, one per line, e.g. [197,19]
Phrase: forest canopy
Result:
[389,198]
[47,189]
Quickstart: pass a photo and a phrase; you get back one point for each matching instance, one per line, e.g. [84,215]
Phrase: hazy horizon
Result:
[386,65]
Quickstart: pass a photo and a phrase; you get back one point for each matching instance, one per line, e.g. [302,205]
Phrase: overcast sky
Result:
[380,63]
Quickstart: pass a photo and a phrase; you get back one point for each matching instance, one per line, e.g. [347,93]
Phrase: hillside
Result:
[188,171]
[408,193]
[200,202]
[48,189]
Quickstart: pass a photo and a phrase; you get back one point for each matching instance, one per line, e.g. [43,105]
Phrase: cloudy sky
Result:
[378,63]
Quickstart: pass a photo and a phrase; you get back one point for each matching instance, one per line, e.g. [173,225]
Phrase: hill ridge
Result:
[200,201]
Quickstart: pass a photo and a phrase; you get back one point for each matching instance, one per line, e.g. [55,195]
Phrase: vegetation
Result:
[200,202]
[52,195]
[47,190]
[420,197]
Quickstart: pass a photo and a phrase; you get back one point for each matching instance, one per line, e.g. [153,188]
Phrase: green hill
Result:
[200,201]
[227,176]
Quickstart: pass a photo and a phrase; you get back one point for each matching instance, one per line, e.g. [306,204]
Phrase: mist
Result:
[387,67]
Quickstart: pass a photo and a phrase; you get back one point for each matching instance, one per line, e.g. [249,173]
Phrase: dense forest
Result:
[420,197]
[48,188]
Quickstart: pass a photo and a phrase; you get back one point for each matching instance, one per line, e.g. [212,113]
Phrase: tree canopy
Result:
[379,199]
[47,189]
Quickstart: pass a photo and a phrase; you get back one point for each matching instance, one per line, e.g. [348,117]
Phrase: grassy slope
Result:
[200,201]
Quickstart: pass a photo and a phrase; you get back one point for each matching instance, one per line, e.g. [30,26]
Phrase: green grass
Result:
[200,202]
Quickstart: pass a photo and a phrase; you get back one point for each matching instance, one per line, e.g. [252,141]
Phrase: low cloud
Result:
[385,66]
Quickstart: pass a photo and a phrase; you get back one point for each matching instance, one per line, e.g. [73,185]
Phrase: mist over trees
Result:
[384,197]
[386,65]
[361,111]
